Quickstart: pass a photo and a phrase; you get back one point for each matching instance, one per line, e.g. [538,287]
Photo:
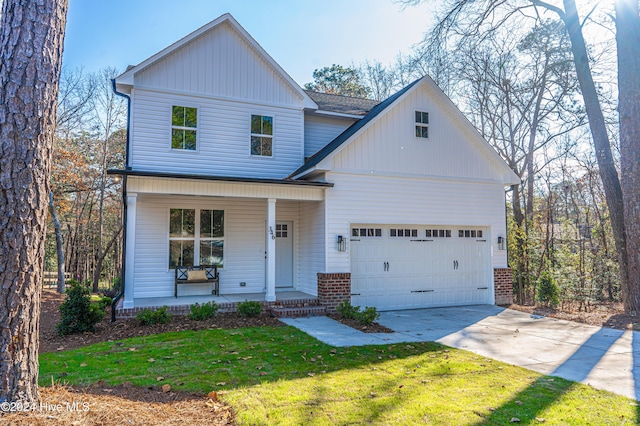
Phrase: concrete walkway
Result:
[601,357]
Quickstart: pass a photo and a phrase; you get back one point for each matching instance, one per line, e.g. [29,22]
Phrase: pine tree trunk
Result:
[59,244]
[627,38]
[31,42]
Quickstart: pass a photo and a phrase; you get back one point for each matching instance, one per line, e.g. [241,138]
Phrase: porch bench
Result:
[203,274]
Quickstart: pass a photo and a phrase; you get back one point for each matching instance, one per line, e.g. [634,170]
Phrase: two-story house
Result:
[397,205]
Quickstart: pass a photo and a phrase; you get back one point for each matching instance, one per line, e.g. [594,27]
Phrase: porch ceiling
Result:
[214,186]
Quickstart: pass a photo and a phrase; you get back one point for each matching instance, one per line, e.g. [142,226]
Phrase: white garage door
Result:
[400,267]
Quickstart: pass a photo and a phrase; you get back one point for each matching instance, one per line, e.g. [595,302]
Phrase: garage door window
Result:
[438,233]
[470,233]
[366,232]
[396,232]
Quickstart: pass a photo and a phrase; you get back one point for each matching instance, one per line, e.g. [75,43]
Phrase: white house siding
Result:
[375,199]
[312,245]
[390,144]
[243,248]
[223,137]
[319,131]
[220,63]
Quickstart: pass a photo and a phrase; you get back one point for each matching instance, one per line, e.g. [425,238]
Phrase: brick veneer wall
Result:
[503,283]
[333,289]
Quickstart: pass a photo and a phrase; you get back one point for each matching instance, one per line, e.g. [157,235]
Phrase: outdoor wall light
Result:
[342,243]
[501,242]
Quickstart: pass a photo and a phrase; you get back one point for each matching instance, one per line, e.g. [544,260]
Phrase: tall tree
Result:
[338,80]
[31,43]
[470,18]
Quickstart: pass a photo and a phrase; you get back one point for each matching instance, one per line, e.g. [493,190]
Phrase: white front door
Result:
[284,254]
[400,267]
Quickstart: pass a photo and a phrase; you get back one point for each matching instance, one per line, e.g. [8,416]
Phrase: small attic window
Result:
[422,124]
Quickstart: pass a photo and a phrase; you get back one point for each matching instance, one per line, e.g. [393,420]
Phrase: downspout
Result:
[115,301]
[506,223]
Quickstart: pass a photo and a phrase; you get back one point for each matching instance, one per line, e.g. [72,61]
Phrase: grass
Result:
[283,376]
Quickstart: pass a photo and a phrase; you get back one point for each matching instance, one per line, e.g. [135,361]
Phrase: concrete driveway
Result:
[601,357]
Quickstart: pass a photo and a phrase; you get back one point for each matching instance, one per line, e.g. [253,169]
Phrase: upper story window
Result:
[422,124]
[184,124]
[261,135]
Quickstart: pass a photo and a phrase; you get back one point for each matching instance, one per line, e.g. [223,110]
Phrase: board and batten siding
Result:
[220,62]
[319,131]
[223,137]
[390,144]
[375,199]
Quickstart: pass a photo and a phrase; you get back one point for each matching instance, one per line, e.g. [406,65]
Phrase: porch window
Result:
[191,239]
[261,135]
[184,127]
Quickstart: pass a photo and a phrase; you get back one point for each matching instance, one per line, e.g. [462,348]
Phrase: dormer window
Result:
[184,123]
[261,135]
[422,124]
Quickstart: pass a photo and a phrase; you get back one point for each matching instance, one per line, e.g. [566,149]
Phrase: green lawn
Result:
[283,376]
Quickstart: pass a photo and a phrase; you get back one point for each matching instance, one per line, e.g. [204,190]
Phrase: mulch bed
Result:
[372,328]
[106,330]
[602,315]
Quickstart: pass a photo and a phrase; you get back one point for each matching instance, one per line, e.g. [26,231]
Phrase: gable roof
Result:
[126,79]
[336,145]
[350,131]
[342,104]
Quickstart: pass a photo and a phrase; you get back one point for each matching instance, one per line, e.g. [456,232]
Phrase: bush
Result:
[103,302]
[77,313]
[249,308]
[548,290]
[347,310]
[204,311]
[151,316]
[368,316]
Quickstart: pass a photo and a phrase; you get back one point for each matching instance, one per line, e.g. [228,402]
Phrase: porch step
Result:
[298,311]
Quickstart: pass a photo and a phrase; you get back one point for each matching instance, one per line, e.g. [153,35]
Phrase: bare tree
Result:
[31,43]
[469,18]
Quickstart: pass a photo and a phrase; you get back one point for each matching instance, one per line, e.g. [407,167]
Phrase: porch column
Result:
[130,244]
[271,250]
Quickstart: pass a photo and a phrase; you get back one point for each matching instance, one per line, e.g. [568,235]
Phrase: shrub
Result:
[368,316]
[77,313]
[151,316]
[347,310]
[103,302]
[204,311]
[548,290]
[249,308]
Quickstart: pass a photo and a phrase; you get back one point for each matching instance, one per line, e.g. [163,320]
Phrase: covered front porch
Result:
[265,236]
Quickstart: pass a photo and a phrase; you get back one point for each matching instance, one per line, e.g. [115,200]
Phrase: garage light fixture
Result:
[342,243]
[501,242]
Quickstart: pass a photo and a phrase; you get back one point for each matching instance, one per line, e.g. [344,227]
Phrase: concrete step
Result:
[298,311]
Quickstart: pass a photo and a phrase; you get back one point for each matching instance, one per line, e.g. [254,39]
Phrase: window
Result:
[282,230]
[187,243]
[394,232]
[184,123]
[438,233]
[261,135]
[470,233]
[422,124]
[366,232]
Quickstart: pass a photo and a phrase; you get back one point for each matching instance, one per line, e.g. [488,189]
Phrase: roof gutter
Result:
[116,299]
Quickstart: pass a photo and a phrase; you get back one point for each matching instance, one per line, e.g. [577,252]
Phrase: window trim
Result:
[172,127]
[262,135]
[196,235]
[419,124]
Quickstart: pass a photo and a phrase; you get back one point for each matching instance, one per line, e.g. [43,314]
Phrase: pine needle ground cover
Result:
[280,375]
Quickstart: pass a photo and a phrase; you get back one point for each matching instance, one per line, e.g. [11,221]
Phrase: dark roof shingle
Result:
[342,104]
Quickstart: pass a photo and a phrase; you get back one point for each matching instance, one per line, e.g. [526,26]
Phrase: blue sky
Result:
[301,35]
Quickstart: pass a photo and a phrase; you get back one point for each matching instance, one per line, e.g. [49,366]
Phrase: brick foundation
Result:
[503,283]
[333,289]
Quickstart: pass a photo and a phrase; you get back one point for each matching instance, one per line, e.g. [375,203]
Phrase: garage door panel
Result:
[398,273]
